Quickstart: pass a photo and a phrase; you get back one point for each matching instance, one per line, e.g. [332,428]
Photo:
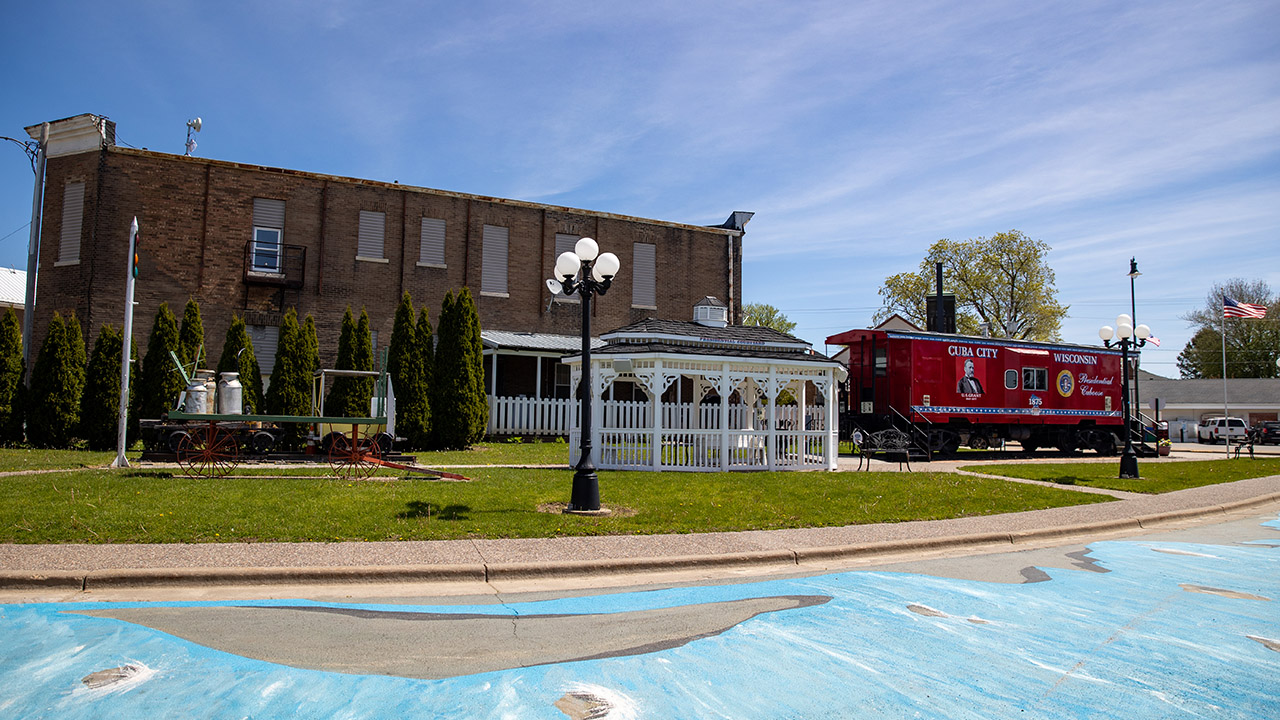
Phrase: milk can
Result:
[230,394]
[197,397]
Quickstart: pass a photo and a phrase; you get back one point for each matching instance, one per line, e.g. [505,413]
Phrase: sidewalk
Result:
[89,567]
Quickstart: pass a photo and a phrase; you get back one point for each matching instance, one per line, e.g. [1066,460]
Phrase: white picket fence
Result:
[531,416]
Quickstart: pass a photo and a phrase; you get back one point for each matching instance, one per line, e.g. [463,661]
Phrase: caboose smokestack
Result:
[940,313]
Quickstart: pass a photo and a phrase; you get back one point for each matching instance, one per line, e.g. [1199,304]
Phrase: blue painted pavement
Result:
[1172,630]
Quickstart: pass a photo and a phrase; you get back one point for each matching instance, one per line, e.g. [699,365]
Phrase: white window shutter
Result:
[72,222]
[372,228]
[493,277]
[644,275]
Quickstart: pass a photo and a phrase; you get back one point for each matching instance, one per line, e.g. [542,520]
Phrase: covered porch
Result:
[529,390]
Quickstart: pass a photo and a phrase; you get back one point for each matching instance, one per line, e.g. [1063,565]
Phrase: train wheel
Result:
[979,440]
[208,452]
[352,460]
[1106,444]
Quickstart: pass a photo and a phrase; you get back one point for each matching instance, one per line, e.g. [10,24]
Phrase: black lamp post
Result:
[1133,312]
[1127,337]
[597,273]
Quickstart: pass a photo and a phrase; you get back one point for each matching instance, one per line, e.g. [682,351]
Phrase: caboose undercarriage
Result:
[947,439]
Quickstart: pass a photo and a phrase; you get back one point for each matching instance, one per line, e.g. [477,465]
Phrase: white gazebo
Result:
[708,396]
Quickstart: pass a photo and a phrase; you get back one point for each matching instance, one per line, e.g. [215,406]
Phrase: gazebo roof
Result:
[749,352]
[683,332]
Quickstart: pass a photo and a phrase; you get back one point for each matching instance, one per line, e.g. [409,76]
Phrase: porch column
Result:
[802,429]
[537,378]
[655,443]
[597,412]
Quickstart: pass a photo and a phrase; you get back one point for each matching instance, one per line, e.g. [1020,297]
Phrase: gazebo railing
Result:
[625,438]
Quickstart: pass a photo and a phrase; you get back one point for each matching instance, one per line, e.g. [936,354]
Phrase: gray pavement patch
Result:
[441,645]
[1233,594]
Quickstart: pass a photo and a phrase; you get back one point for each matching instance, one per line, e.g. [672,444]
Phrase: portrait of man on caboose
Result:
[969,384]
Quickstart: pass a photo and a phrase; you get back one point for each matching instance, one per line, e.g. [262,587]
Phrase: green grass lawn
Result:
[1156,477]
[18,459]
[149,506]
[497,453]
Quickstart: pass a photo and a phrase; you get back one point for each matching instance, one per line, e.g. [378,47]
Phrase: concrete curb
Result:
[488,572]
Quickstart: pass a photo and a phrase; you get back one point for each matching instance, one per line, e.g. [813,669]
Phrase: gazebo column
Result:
[723,391]
[771,447]
[655,442]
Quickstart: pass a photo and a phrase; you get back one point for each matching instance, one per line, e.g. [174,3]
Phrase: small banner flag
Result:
[1231,308]
[1154,340]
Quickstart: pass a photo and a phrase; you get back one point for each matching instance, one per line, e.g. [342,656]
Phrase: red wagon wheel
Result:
[208,451]
[353,458]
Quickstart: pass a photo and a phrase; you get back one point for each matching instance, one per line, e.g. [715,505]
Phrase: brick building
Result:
[257,240]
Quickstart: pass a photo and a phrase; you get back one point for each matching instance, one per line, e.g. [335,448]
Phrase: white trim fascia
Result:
[701,341]
[767,362]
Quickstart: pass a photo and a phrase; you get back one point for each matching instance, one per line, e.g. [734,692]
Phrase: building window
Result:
[1010,379]
[268,235]
[493,267]
[431,251]
[372,229]
[644,278]
[1035,379]
[563,377]
[565,243]
[264,338]
[72,222]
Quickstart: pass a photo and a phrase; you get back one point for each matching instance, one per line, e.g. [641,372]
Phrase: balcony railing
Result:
[274,264]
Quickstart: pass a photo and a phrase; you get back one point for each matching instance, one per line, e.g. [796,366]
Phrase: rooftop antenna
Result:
[191,142]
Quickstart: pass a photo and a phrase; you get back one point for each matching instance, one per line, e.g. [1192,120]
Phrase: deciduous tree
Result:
[1252,345]
[766,315]
[1004,281]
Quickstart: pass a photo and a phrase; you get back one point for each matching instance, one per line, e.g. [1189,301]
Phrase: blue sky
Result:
[858,132]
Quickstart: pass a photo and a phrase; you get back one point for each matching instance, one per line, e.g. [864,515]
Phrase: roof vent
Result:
[711,312]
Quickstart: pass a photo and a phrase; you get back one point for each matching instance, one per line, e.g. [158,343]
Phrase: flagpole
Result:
[122,420]
[1225,412]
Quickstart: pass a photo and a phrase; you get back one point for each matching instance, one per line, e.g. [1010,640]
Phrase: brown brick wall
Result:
[196,217]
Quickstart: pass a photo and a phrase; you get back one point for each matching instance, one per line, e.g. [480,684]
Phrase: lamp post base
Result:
[585,497]
[1129,465]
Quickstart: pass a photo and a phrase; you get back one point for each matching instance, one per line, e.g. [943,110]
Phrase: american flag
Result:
[1231,308]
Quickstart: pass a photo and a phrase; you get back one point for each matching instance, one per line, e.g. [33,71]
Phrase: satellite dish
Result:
[194,124]
[554,286]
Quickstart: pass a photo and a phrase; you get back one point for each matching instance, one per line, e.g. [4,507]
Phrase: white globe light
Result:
[1106,332]
[1124,319]
[587,249]
[1124,332]
[568,265]
[1142,332]
[607,265]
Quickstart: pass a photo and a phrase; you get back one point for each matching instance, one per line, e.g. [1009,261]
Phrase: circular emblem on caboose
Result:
[1066,383]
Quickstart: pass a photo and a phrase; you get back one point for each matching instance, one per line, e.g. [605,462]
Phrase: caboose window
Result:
[1010,379]
[1035,379]
[882,362]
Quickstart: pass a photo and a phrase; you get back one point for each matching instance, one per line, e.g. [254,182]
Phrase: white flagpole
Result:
[125,350]
[1225,412]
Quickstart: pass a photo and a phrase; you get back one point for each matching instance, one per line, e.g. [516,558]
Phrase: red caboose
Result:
[957,389]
